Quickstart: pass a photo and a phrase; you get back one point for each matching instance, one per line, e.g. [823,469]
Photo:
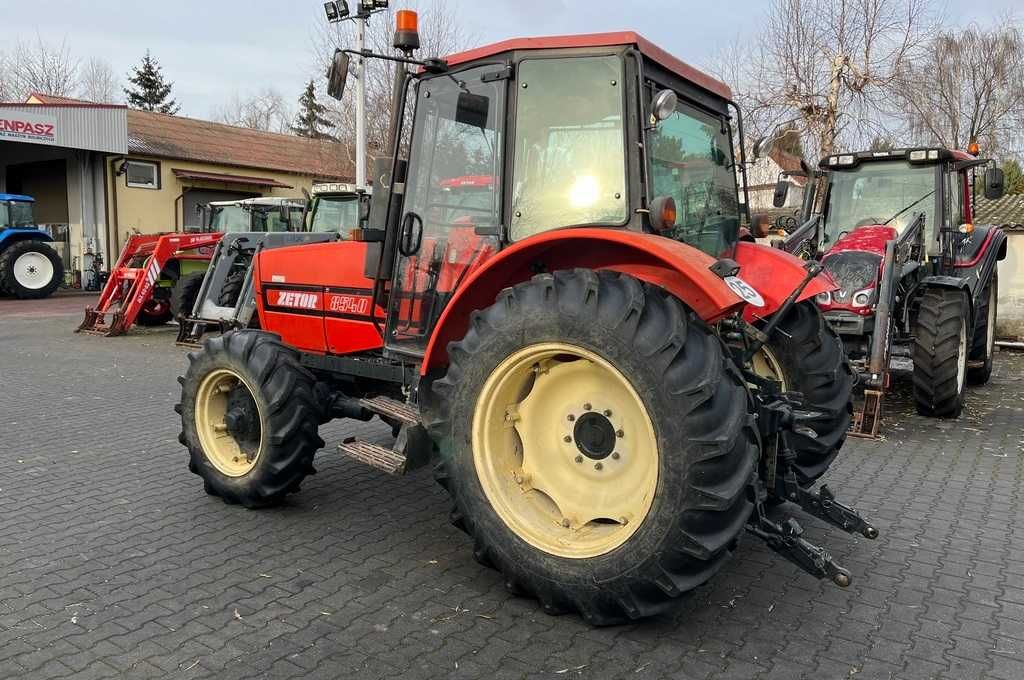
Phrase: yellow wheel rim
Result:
[766,365]
[565,450]
[229,422]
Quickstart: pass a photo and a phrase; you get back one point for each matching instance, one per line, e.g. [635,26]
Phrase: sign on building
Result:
[20,126]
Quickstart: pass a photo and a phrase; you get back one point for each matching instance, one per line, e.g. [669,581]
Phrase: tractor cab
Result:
[16,212]
[337,208]
[254,215]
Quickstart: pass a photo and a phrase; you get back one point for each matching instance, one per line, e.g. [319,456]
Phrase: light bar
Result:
[918,155]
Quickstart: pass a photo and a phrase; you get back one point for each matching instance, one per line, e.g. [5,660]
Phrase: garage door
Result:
[196,197]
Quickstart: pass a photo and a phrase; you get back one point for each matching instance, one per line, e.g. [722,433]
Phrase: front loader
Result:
[917,278]
[612,388]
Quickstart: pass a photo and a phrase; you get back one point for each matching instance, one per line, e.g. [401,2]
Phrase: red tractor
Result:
[609,385]
[917,277]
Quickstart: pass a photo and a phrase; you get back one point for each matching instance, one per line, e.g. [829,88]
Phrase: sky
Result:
[214,49]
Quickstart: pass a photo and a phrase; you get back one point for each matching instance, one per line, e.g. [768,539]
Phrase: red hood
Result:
[870,239]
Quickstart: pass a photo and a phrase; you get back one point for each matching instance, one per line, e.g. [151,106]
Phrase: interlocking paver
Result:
[115,564]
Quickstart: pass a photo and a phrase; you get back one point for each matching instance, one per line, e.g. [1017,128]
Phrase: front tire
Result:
[637,498]
[30,270]
[249,418]
[940,353]
[806,355]
[185,293]
[983,346]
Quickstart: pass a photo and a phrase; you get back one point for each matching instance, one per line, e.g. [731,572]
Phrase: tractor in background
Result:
[612,388]
[225,298]
[917,277]
[29,267]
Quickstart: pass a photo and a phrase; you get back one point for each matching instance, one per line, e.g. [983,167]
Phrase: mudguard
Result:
[12,235]
[682,270]
[775,274]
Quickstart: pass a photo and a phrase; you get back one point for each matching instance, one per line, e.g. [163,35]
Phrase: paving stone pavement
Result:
[114,563]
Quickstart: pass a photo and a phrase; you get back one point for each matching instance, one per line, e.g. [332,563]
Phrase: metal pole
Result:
[360,103]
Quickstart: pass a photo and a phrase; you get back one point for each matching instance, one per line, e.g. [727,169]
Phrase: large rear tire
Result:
[807,356]
[183,297]
[249,418]
[983,346]
[940,353]
[597,444]
[30,270]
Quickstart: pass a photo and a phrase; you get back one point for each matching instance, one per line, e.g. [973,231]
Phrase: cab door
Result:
[457,134]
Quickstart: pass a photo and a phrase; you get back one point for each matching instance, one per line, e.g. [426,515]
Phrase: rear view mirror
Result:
[337,74]
[994,183]
[472,110]
[781,192]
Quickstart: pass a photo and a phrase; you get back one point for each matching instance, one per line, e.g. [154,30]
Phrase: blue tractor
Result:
[29,267]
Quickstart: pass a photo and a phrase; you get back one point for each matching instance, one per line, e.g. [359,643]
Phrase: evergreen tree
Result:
[1014,177]
[310,121]
[149,90]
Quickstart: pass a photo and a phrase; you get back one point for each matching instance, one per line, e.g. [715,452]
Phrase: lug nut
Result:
[579,459]
[566,439]
[615,455]
[565,523]
[598,466]
[607,413]
[570,417]
[620,434]
[587,406]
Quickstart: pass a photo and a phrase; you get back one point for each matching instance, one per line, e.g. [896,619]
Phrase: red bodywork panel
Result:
[775,274]
[681,270]
[868,239]
[316,297]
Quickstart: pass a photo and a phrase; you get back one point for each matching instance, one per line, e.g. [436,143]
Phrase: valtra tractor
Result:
[917,278]
[609,385]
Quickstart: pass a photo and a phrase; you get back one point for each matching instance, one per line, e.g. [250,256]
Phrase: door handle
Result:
[411,235]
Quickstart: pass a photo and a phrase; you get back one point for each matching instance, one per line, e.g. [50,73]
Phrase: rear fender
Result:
[681,270]
[9,237]
[775,274]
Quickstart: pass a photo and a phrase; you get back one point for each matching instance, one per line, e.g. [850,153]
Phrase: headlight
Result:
[823,298]
[862,298]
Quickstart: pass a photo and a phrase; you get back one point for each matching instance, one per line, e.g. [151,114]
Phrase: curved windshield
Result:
[691,161]
[569,166]
[335,214]
[229,218]
[16,214]
[878,192]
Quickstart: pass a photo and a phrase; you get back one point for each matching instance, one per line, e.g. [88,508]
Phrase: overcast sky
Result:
[212,49]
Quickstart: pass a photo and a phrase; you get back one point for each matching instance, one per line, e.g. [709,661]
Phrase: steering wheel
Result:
[868,221]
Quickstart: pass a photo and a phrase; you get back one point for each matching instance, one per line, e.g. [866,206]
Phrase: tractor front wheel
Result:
[186,290]
[30,270]
[805,355]
[597,443]
[249,418]
[983,346]
[941,345]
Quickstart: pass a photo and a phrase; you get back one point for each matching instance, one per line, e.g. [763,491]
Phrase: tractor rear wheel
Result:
[983,347]
[156,312]
[231,289]
[940,353]
[805,355]
[249,418]
[30,270]
[184,294]
[597,443]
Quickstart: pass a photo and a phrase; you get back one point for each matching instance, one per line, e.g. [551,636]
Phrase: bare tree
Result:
[264,110]
[827,65]
[97,82]
[969,86]
[441,33]
[40,67]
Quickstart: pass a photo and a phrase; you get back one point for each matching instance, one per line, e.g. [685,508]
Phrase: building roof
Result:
[647,48]
[1007,212]
[181,138]
[229,178]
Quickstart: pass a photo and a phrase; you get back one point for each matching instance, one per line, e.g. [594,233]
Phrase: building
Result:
[764,173]
[1008,212]
[100,172]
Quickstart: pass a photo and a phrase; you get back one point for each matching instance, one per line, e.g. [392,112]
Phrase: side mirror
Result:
[472,109]
[995,183]
[781,192]
[337,74]
[663,105]
[759,225]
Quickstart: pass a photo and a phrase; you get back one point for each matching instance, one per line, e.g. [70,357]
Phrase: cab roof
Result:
[649,50]
[17,197]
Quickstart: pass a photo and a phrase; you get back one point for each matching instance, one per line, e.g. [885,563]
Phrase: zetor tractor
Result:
[609,385]
[917,278]
[29,267]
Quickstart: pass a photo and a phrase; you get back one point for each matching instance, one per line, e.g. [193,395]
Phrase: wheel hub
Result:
[33,270]
[228,422]
[594,436]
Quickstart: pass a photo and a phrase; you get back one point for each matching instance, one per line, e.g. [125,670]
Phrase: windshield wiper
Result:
[909,207]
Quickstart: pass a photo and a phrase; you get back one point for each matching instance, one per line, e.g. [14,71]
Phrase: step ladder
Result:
[411,448]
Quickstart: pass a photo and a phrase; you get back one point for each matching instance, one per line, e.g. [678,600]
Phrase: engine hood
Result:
[870,239]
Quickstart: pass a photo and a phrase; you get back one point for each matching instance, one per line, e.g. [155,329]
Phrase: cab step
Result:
[374,455]
[405,413]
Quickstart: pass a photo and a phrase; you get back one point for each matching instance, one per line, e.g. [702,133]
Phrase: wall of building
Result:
[1010,314]
[151,211]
